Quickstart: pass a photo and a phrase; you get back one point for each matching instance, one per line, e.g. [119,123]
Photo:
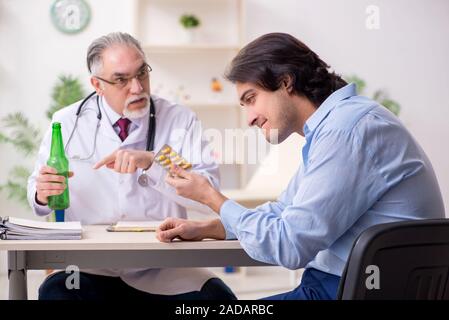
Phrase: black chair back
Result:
[399,260]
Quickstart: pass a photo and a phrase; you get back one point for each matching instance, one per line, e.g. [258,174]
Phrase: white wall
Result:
[407,56]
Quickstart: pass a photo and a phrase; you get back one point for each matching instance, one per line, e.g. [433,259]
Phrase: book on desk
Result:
[12,228]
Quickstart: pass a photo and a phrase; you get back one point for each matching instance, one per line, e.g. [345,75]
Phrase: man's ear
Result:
[97,85]
[287,83]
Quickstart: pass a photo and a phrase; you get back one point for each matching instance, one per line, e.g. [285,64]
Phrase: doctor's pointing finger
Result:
[126,160]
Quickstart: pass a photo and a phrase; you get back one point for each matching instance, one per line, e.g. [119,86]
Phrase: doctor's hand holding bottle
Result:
[49,183]
[127,160]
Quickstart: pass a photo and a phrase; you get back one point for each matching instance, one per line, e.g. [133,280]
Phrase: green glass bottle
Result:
[59,161]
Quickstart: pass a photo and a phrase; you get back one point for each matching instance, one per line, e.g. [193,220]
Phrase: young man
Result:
[360,167]
[111,133]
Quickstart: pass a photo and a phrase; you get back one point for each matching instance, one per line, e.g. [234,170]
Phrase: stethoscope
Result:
[143,179]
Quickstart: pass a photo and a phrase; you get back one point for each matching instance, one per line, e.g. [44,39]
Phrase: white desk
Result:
[102,249]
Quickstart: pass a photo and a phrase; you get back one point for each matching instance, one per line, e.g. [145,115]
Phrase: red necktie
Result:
[123,124]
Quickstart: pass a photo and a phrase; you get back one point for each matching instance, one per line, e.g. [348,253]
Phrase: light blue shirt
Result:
[360,167]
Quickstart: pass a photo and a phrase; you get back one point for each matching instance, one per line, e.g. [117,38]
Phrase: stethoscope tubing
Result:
[151,125]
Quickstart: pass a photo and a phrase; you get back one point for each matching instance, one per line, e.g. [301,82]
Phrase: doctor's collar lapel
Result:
[106,127]
[140,133]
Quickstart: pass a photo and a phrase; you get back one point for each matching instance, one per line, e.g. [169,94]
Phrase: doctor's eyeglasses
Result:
[121,82]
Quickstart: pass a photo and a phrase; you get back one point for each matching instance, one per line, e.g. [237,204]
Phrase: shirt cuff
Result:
[230,213]
[39,209]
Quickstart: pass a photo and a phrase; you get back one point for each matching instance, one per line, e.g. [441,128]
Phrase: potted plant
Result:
[190,22]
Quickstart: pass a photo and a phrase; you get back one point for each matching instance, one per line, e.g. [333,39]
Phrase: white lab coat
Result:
[103,196]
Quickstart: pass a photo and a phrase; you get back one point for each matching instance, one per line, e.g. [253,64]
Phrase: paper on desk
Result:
[71,225]
[135,226]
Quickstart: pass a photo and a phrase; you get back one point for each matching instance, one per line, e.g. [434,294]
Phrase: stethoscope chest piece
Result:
[143,179]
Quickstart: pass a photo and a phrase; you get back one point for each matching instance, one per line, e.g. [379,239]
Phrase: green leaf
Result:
[383,98]
[4,138]
[16,186]
[391,105]
[20,172]
[66,91]
[379,95]
[20,133]
[16,191]
[360,83]
[189,21]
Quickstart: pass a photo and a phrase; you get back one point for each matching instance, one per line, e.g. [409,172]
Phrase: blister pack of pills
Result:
[166,157]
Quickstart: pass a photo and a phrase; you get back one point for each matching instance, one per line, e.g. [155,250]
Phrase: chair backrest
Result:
[399,260]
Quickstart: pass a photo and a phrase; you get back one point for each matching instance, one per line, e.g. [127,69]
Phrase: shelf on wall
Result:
[177,48]
[157,24]
[184,63]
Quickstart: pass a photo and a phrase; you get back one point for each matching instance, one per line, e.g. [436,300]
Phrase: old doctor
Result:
[109,138]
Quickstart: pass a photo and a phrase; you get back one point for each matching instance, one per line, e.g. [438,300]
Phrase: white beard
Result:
[139,113]
[136,114]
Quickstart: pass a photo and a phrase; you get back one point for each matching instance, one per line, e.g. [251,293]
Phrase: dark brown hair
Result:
[272,58]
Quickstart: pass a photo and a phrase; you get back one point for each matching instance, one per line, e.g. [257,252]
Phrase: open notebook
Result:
[23,229]
[134,226]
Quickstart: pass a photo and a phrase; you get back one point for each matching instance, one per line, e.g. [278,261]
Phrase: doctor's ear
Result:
[97,85]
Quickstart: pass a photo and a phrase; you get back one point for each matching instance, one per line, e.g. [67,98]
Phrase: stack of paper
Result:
[23,229]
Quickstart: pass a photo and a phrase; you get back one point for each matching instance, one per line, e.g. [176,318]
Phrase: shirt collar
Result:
[321,113]
[110,113]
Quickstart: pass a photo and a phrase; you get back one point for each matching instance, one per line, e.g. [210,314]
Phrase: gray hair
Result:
[96,48]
